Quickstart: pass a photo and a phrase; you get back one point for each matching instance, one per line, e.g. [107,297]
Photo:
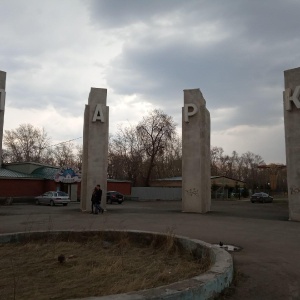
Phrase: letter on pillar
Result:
[288,99]
[188,113]
[98,114]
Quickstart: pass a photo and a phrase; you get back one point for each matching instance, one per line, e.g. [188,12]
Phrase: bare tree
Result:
[5,156]
[216,154]
[26,143]
[48,157]
[155,132]
[170,163]
[30,144]
[125,156]
[78,156]
[244,167]
[250,173]
[64,155]
[150,149]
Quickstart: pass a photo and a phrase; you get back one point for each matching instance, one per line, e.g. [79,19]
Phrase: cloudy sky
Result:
[145,53]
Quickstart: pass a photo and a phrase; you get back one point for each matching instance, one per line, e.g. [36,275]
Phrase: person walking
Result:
[93,200]
[97,199]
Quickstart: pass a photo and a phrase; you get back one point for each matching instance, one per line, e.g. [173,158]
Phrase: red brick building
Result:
[27,180]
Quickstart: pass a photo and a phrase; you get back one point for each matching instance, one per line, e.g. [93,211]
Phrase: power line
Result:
[65,142]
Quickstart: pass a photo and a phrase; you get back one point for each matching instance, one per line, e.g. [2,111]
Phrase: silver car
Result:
[53,198]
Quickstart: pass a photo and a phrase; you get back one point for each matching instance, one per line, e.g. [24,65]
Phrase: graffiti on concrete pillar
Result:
[193,192]
[294,190]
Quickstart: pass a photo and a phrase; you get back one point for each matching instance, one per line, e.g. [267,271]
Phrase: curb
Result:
[205,286]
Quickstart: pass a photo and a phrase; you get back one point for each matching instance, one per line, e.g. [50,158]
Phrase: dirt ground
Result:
[70,266]
[267,267]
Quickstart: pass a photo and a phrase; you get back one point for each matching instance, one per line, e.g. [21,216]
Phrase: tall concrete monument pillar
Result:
[2,107]
[291,102]
[196,186]
[95,147]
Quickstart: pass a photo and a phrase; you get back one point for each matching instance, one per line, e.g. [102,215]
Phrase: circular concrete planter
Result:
[205,286]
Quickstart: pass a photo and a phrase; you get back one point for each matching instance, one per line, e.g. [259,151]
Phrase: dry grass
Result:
[94,266]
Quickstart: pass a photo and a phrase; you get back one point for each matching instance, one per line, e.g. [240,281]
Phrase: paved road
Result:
[268,266]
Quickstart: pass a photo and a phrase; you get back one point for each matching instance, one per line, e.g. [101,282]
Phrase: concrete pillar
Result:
[196,186]
[95,147]
[2,107]
[291,103]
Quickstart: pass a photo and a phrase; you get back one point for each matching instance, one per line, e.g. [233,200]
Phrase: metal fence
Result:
[156,193]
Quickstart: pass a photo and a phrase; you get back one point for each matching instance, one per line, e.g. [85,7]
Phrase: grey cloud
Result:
[221,72]
[230,72]
[115,13]
[235,52]
[262,20]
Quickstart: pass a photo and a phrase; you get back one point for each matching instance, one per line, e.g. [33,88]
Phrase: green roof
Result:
[45,172]
[39,173]
[5,173]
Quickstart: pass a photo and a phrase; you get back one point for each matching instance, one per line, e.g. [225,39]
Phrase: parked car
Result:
[261,197]
[113,196]
[52,198]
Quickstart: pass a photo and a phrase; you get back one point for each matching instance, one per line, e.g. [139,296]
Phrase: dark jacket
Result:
[93,196]
[97,195]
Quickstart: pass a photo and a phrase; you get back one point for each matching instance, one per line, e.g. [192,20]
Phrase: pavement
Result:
[266,267]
